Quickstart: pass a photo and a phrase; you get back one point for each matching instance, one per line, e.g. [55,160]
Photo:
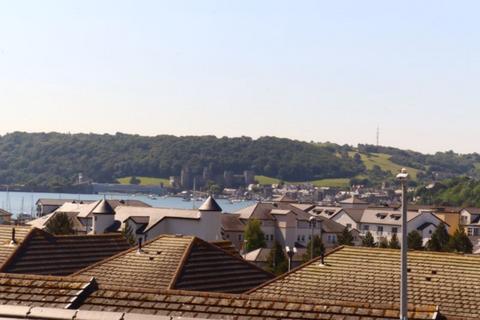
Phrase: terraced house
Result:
[284,221]
[381,222]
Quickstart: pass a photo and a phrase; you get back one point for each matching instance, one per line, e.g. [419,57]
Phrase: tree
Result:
[127,233]
[460,242]
[254,236]
[345,238]
[440,239]
[383,243]
[277,261]
[134,180]
[368,240]
[59,224]
[415,241]
[394,243]
[318,249]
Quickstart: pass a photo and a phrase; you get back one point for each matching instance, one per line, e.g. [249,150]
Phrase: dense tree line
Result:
[461,191]
[56,159]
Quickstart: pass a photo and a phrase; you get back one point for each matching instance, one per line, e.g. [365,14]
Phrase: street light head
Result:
[403,175]
[287,248]
[311,219]
[294,250]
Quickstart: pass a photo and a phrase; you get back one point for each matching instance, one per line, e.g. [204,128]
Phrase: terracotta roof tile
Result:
[371,275]
[179,262]
[44,291]
[6,249]
[43,253]
[228,306]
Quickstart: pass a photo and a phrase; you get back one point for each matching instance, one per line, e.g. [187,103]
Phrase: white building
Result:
[382,222]
[144,222]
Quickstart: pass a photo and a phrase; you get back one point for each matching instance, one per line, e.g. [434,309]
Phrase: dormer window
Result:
[381,215]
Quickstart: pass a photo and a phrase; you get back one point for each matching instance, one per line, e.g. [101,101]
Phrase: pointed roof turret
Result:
[103,208]
[210,205]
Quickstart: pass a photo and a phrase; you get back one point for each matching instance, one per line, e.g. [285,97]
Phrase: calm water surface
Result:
[17,202]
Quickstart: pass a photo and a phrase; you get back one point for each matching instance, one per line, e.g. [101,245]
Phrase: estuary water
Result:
[24,202]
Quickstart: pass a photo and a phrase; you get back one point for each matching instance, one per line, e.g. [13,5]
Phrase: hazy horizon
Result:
[308,70]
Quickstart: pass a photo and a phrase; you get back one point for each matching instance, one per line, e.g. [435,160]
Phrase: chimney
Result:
[322,259]
[13,241]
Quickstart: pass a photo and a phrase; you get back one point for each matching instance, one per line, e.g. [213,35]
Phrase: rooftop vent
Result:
[139,250]
[13,240]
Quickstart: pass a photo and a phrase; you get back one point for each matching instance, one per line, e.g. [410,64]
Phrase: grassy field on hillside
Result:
[383,161]
[146,181]
[266,180]
[340,182]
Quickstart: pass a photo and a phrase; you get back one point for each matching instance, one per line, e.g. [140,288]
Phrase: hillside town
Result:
[124,259]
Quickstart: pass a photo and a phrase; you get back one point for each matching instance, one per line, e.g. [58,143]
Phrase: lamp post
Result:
[290,254]
[402,177]
[313,223]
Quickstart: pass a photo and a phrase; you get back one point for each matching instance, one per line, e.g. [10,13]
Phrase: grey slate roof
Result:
[210,205]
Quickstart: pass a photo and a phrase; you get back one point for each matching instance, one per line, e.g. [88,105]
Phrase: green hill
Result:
[53,160]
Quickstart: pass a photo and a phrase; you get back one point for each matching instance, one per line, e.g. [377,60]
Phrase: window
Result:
[298,238]
[349,226]
[309,238]
[303,238]
[470,232]
[228,236]
[476,232]
[366,227]
[271,237]
[331,238]
[380,230]
[240,237]
[394,230]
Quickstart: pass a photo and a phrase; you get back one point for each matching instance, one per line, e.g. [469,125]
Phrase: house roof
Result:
[46,254]
[6,249]
[355,214]
[187,263]
[5,213]
[155,215]
[472,210]
[372,275]
[304,206]
[232,222]
[43,291]
[261,255]
[268,210]
[84,208]
[103,207]
[53,202]
[285,198]
[353,200]
[208,305]
[425,225]
[226,245]
[386,216]
[41,222]
[210,205]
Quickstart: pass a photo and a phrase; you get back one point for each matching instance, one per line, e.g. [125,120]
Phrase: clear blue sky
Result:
[310,70]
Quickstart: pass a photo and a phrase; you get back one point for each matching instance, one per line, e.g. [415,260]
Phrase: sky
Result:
[308,70]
